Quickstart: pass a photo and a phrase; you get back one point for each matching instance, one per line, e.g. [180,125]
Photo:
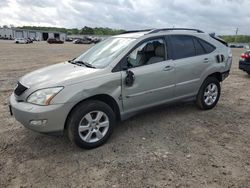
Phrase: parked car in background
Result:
[82,41]
[6,38]
[54,41]
[76,41]
[68,39]
[29,40]
[21,41]
[95,40]
[232,46]
[35,39]
[118,78]
[236,46]
[244,63]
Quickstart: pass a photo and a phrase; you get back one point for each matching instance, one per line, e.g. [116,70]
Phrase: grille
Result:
[19,89]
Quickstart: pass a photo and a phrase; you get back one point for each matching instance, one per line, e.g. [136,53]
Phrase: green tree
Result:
[74,31]
[87,31]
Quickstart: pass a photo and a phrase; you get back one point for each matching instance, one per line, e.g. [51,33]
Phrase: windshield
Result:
[103,53]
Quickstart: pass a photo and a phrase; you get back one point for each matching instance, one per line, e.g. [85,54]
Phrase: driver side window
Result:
[149,52]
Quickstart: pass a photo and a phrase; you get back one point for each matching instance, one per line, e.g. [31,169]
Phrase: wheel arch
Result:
[217,75]
[100,97]
[199,98]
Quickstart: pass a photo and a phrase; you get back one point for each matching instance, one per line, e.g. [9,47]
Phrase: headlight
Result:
[43,96]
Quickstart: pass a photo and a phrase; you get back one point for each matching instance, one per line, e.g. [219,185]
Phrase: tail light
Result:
[244,56]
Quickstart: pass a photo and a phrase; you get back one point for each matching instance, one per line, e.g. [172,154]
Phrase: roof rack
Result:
[174,29]
[136,31]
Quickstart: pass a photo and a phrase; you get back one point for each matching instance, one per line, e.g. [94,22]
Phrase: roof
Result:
[132,35]
[140,33]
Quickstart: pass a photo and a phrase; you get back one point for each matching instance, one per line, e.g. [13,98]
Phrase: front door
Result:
[149,79]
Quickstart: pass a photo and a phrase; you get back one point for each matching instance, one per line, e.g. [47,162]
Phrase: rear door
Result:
[191,60]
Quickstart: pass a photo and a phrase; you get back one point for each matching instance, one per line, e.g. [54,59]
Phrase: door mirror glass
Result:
[130,78]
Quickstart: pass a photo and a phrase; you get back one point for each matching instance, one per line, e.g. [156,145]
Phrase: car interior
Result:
[148,53]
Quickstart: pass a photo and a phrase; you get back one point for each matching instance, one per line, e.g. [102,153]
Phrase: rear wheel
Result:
[90,124]
[209,94]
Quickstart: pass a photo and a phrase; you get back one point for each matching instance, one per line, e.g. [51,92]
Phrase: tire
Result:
[83,127]
[209,94]
[248,72]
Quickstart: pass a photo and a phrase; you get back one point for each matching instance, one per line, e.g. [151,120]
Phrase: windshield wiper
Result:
[82,63]
[71,60]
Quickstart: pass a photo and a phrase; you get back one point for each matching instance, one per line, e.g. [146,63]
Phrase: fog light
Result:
[38,122]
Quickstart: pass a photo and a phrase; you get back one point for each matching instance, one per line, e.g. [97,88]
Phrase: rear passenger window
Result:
[198,47]
[208,47]
[183,46]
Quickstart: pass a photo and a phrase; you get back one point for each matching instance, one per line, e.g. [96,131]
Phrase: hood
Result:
[59,74]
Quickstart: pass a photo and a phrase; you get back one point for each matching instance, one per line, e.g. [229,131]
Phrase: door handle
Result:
[168,68]
[206,60]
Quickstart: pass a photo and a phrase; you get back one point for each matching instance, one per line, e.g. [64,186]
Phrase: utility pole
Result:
[236,33]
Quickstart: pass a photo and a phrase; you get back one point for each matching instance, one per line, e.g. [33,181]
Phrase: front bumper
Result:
[244,66]
[52,116]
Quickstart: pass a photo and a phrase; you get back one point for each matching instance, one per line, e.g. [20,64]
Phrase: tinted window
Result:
[183,46]
[208,47]
[199,48]
[152,51]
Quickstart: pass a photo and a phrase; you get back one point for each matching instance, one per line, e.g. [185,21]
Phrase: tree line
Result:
[75,31]
[108,31]
[236,39]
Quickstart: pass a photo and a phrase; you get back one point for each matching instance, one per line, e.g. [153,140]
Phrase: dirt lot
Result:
[177,146]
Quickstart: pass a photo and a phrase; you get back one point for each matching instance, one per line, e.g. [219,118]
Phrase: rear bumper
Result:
[244,66]
[224,75]
[53,117]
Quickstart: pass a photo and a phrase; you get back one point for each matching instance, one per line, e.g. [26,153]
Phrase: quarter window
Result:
[198,47]
[208,47]
[149,52]
[183,46]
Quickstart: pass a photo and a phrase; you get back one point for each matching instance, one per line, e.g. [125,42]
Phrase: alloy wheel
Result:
[211,94]
[93,126]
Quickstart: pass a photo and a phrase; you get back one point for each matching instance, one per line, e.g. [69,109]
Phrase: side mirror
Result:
[130,78]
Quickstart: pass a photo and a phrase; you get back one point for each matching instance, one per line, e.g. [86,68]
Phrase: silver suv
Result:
[120,77]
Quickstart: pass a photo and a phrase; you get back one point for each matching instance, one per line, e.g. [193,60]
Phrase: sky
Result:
[219,16]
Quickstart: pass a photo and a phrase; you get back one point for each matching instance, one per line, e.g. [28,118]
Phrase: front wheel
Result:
[209,94]
[90,124]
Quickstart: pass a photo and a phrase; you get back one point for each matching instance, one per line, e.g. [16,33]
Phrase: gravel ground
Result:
[176,146]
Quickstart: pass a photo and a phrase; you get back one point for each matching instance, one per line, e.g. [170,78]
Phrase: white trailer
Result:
[6,33]
[10,33]
[18,34]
